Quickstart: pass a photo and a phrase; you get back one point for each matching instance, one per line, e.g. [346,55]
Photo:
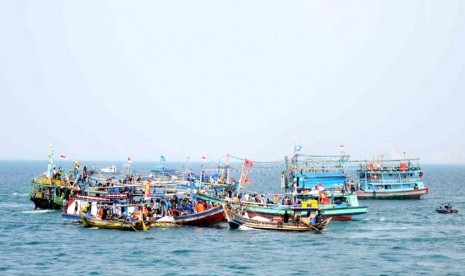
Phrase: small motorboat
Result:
[446,209]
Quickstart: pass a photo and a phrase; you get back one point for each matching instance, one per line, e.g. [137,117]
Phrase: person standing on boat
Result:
[229,190]
[85,173]
[286,217]
[104,213]
[65,205]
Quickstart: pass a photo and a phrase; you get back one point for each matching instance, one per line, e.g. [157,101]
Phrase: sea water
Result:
[395,237]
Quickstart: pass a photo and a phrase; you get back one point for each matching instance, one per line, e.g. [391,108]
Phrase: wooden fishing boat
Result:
[48,193]
[126,224]
[52,187]
[305,224]
[211,217]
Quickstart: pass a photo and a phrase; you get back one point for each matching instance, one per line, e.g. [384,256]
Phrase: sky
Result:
[104,80]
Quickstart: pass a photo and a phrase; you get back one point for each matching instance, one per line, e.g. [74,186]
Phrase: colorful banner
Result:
[246,168]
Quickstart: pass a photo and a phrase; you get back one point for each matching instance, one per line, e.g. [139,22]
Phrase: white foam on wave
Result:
[37,211]
[388,229]
[245,228]
[12,205]
[15,194]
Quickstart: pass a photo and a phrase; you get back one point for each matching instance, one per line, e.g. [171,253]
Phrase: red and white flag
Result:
[204,158]
[62,157]
[248,163]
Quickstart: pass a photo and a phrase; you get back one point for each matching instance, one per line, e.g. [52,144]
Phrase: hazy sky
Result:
[104,80]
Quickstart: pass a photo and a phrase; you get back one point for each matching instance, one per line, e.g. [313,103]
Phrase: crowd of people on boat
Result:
[152,210]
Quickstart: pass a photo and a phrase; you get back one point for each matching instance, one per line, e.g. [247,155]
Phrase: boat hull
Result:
[212,217]
[447,211]
[113,224]
[45,204]
[235,221]
[336,213]
[72,217]
[395,194]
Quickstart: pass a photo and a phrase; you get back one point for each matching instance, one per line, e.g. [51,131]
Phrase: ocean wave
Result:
[15,194]
[37,211]
[13,205]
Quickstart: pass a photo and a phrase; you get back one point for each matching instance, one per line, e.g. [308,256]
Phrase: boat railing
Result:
[399,180]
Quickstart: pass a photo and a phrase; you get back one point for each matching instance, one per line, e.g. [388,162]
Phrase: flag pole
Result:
[242,177]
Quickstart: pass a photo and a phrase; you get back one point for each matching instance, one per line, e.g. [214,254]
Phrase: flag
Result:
[297,147]
[162,158]
[248,163]
[246,168]
[129,160]
[62,157]
[204,158]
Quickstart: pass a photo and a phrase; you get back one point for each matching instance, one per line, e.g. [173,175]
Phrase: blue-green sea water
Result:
[394,238]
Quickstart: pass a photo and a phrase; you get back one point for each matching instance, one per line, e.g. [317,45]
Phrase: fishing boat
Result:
[48,193]
[125,224]
[210,217]
[446,209]
[110,169]
[339,206]
[320,180]
[51,187]
[78,205]
[390,179]
[304,224]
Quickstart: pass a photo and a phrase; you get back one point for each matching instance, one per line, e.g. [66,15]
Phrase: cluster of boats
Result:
[317,190]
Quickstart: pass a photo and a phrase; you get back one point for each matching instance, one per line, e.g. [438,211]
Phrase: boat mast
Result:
[288,174]
[50,162]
